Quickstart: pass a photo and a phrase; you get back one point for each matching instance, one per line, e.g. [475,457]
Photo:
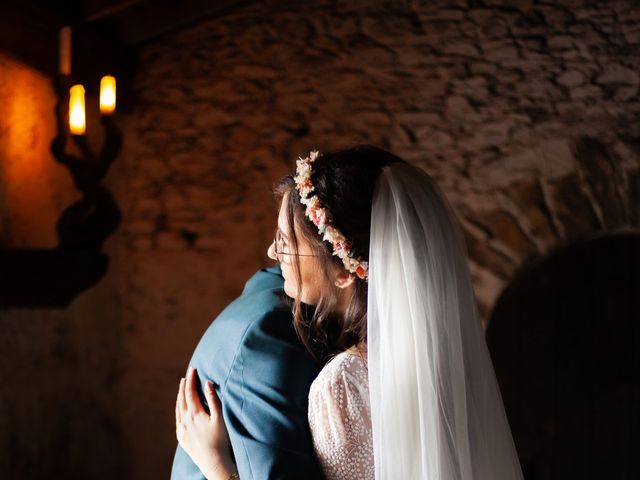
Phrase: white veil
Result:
[436,409]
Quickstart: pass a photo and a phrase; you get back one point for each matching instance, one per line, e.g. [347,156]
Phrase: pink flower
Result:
[341,247]
[306,185]
[318,216]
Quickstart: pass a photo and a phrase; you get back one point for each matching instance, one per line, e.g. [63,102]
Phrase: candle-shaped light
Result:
[107,95]
[64,51]
[77,122]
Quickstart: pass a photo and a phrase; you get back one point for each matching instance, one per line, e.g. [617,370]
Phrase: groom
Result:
[262,375]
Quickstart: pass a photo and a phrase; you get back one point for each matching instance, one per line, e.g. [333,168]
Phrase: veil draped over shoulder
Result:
[436,408]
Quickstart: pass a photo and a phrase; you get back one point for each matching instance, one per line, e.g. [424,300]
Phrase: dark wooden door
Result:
[565,341]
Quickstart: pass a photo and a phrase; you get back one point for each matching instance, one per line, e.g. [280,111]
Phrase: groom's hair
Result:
[344,182]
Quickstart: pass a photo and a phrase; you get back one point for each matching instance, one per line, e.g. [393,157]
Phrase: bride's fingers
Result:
[178,416]
[193,401]
[182,403]
[212,399]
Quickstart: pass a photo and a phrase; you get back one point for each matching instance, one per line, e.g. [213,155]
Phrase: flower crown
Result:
[322,219]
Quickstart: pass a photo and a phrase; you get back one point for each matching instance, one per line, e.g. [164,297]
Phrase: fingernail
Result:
[210,385]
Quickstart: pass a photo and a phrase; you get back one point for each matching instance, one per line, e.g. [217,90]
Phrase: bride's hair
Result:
[344,182]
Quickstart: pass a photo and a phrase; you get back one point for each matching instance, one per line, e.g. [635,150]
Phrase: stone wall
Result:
[487,96]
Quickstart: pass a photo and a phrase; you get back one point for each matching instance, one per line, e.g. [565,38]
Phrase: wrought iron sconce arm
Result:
[52,278]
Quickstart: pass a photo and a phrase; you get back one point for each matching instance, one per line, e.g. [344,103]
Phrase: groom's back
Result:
[262,375]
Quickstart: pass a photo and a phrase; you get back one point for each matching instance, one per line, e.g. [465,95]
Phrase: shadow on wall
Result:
[565,341]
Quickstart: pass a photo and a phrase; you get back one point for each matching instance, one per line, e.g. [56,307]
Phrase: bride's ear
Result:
[344,279]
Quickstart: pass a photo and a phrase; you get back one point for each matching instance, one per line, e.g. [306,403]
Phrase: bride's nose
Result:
[271,251]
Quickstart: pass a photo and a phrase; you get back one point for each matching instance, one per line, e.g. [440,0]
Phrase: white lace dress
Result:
[340,418]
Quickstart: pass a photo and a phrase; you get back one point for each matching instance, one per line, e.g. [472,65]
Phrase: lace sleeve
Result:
[340,419]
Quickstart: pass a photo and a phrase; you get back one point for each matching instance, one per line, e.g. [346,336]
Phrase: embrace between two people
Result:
[360,354]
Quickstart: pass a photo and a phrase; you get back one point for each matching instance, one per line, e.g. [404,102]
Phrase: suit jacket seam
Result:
[238,359]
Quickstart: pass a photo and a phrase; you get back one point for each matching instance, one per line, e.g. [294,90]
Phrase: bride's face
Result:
[309,288]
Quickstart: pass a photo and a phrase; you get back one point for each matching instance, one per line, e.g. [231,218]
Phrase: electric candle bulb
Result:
[77,118]
[107,95]
[64,51]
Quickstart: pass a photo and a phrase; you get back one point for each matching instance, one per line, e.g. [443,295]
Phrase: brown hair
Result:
[344,182]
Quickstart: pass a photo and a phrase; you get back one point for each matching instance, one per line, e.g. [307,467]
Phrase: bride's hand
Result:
[204,437]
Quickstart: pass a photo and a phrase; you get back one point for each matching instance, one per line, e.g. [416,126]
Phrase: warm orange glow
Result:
[34,187]
[77,117]
[107,95]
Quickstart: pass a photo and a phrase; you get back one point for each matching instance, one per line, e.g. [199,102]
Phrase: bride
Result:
[410,391]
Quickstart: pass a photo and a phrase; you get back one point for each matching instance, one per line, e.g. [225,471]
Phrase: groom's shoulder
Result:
[263,280]
[261,299]
[262,306]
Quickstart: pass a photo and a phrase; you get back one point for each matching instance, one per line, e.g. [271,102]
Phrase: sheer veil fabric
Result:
[436,409]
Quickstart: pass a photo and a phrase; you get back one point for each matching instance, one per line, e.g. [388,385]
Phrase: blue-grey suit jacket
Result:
[262,375]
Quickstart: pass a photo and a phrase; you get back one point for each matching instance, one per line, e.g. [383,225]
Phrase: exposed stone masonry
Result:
[525,112]
[487,96]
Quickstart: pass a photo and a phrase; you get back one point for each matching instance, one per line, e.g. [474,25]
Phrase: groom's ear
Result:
[344,279]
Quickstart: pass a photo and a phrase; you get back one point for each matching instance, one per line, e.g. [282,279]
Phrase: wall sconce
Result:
[52,278]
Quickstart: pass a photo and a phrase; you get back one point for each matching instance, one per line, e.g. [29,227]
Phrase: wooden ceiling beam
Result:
[145,20]
[101,9]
